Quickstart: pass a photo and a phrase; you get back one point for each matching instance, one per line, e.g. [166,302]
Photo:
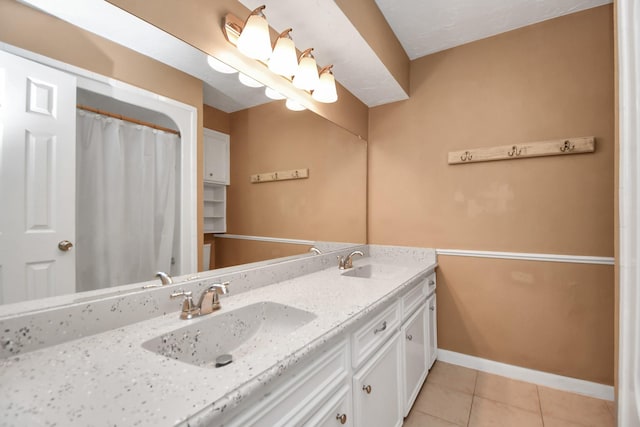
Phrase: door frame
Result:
[184,116]
[628,259]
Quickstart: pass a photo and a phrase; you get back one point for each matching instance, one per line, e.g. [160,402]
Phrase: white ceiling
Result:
[423,27]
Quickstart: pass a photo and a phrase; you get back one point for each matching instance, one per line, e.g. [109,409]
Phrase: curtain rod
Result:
[127,119]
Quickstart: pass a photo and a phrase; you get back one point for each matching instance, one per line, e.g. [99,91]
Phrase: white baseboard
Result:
[546,379]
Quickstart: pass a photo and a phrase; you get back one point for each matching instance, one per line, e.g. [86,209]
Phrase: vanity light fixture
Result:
[294,106]
[306,77]
[273,94]
[326,88]
[220,66]
[301,71]
[254,40]
[284,59]
[248,81]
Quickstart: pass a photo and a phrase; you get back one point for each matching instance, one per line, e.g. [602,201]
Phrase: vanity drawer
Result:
[288,403]
[374,333]
[414,298]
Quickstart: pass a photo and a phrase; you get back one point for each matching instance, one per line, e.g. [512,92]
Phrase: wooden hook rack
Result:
[557,147]
[280,175]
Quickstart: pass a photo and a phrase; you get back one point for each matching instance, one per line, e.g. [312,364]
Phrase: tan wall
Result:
[550,80]
[30,29]
[230,252]
[330,205]
[216,120]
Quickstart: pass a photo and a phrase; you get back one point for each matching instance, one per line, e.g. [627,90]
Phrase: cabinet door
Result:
[377,396]
[337,412]
[216,157]
[432,326]
[415,347]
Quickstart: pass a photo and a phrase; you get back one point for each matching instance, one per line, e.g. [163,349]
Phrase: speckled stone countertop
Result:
[108,378]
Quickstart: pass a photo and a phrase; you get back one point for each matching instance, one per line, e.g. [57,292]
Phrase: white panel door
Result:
[432,329]
[37,180]
[415,345]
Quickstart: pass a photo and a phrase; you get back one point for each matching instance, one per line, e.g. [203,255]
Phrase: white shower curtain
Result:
[125,201]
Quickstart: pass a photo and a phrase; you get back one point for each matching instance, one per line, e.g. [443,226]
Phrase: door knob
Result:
[65,245]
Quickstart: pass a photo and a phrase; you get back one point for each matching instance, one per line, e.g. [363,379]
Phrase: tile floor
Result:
[455,396]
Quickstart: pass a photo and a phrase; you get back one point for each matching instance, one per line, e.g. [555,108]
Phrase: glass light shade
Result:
[326,89]
[284,60]
[294,106]
[220,66]
[306,76]
[254,40]
[248,81]
[273,94]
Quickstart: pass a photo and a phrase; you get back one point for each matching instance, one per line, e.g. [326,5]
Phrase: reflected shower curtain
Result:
[125,201]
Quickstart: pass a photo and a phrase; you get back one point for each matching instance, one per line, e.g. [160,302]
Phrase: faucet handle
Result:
[341,260]
[188,309]
[220,288]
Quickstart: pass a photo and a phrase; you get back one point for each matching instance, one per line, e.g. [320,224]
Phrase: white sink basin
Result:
[238,332]
[374,271]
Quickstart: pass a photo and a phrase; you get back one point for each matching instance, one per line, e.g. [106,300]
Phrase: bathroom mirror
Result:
[329,205]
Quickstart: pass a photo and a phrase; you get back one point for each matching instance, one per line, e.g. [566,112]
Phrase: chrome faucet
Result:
[345,263]
[165,279]
[315,250]
[209,300]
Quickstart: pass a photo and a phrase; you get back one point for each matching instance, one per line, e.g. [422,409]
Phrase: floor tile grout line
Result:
[473,397]
[434,416]
[540,404]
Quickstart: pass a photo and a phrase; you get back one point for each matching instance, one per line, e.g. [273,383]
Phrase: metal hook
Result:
[466,156]
[567,146]
[514,151]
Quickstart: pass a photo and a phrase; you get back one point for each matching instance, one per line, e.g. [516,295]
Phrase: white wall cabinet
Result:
[415,342]
[377,388]
[216,157]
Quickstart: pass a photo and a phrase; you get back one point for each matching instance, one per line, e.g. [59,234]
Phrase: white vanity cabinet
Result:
[432,326]
[415,346]
[302,393]
[216,157]
[377,393]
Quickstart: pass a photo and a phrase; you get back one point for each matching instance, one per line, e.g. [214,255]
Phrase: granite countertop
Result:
[110,379]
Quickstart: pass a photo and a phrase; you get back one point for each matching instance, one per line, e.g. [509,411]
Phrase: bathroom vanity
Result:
[311,345]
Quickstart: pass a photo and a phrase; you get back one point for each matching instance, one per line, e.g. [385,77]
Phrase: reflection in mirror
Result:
[329,205]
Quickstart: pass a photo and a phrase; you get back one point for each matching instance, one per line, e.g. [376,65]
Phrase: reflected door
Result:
[37,180]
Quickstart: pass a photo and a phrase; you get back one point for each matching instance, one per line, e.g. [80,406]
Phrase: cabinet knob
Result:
[367,388]
[432,308]
[432,282]
[342,418]
[409,337]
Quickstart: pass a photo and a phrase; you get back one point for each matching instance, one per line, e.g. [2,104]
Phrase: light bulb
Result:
[294,106]
[220,66]
[326,89]
[273,94]
[248,81]
[284,60]
[306,77]
[254,40]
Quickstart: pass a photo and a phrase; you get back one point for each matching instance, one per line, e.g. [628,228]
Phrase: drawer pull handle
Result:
[367,388]
[432,308]
[409,337]
[342,418]
[384,326]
